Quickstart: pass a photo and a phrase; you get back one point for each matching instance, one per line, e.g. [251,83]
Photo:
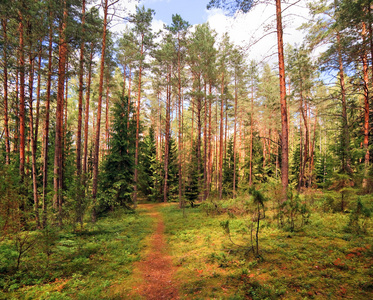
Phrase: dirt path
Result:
[156,268]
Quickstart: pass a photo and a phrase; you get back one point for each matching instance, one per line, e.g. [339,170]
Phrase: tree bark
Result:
[284,117]
[5,86]
[58,164]
[366,111]
[86,117]
[80,97]
[138,123]
[221,138]
[98,123]
[22,116]
[46,124]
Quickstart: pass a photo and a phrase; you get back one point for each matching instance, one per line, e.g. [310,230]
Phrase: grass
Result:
[320,261]
[95,263]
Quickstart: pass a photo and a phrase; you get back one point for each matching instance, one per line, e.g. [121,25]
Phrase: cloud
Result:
[255,31]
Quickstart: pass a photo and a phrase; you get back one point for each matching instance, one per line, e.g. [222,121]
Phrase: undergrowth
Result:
[316,258]
[84,264]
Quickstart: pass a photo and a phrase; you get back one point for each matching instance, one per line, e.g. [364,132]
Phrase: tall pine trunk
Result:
[86,117]
[99,106]
[5,87]
[58,164]
[221,139]
[46,124]
[366,111]
[80,97]
[22,117]
[284,116]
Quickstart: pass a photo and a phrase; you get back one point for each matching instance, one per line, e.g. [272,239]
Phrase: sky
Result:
[253,31]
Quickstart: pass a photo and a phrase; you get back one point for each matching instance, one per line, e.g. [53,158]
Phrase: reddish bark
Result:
[99,106]
[46,124]
[22,116]
[86,117]
[5,70]
[221,138]
[138,123]
[366,110]
[80,97]
[284,116]
[58,165]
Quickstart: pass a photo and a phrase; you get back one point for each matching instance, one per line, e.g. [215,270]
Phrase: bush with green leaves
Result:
[359,217]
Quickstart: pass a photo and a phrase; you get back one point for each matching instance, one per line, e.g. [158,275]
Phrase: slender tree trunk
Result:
[138,123]
[312,163]
[209,170]
[284,116]
[58,164]
[199,133]
[22,116]
[33,139]
[86,117]
[80,97]
[167,138]
[205,149]
[98,123]
[221,139]
[107,114]
[251,136]
[366,111]
[5,70]
[180,139]
[234,136]
[124,80]
[306,142]
[46,124]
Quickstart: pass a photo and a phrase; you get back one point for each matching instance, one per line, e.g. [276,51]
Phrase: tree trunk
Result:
[138,123]
[251,136]
[98,123]
[221,139]
[33,139]
[234,136]
[86,117]
[58,164]
[107,114]
[284,117]
[205,146]
[180,141]
[46,124]
[5,70]
[167,137]
[366,112]
[80,97]
[22,116]
[209,166]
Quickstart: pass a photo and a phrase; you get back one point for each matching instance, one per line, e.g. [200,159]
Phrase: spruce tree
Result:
[116,179]
[150,176]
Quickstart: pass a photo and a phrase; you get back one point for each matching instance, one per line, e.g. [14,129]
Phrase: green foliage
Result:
[151,169]
[77,264]
[116,177]
[228,168]
[192,189]
[359,217]
[293,213]
[173,171]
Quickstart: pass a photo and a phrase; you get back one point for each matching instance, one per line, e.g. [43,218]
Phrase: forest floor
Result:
[161,252]
[156,268]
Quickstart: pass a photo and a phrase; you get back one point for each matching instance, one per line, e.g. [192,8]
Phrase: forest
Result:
[256,175]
